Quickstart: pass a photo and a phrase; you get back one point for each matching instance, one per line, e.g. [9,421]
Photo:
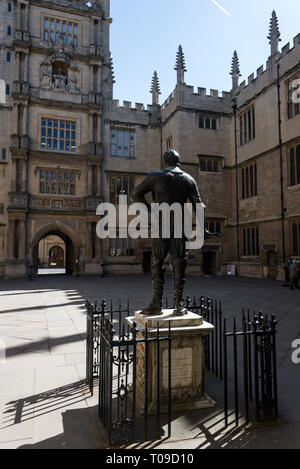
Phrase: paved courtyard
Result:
[44,402]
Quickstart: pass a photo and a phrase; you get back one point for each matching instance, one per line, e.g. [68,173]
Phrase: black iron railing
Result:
[244,358]
[116,315]
[254,368]
[211,311]
[116,356]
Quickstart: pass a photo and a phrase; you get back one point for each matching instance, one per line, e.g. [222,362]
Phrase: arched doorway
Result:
[67,255]
[209,263]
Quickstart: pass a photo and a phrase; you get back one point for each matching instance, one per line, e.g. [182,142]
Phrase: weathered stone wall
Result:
[87,99]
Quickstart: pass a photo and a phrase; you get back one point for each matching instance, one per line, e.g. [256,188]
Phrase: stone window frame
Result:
[121,247]
[210,164]
[215,225]
[47,115]
[208,122]
[116,128]
[250,245]
[293,109]
[249,181]
[247,125]
[114,194]
[293,165]
[295,237]
[169,143]
[57,32]
[54,183]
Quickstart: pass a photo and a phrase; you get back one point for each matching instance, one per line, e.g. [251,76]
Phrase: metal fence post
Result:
[273,325]
[225,374]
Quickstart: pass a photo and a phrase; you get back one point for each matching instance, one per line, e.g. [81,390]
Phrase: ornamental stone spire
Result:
[235,71]
[155,89]
[274,34]
[180,65]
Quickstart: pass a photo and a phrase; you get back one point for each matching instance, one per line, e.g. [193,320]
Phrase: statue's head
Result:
[171,159]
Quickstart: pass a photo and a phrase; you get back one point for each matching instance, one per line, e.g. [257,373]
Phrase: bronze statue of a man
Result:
[172,185]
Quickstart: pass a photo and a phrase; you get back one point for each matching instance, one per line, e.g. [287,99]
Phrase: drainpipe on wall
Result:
[236,180]
[27,216]
[281,167]
[102,179]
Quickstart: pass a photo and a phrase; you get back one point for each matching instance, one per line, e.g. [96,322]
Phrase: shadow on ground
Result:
[82,428]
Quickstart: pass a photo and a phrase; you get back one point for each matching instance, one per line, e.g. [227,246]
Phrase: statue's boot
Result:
[158,277]
[179,268]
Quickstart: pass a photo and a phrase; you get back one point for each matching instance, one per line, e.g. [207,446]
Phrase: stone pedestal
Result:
[186,359]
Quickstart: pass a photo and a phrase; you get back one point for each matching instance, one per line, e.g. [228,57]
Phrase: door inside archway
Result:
[210,263]
[272,264]
[53,254]
[56,257]
[147,257]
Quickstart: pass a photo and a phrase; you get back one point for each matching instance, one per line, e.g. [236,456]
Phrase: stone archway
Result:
[72,245]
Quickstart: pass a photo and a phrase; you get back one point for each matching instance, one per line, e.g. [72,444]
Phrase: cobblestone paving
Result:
[44,402]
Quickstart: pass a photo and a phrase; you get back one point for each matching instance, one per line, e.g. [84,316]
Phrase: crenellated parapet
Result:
[288,59]
[186,96]
[97,7]
[127,105]
[137,113]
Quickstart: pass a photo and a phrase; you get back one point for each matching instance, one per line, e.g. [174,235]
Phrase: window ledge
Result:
[296,187]
[131,260]
[123,157]
[247,143]
[210,172]
[55,152]
[250,258]
[213,130]
[61,196]
[254,197]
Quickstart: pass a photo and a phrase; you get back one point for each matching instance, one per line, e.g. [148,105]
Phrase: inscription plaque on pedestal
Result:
[181,370]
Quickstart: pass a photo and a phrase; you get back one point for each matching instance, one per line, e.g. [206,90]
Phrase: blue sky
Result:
[145,35]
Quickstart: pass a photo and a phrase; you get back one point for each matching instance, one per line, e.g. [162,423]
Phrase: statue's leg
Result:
[159,251]
[179,261]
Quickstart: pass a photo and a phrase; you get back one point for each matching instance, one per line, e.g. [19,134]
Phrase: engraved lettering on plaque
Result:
[182,368]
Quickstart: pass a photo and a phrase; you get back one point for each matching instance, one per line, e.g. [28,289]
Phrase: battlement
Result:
[127,105]
[168,100]
[287,48]
[199,96]
[96,6]
[203,92]
[287,58]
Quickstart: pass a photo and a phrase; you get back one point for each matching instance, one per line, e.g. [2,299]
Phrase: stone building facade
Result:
[66,145]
